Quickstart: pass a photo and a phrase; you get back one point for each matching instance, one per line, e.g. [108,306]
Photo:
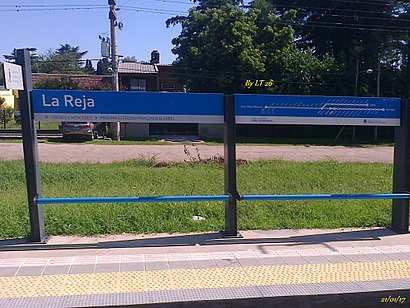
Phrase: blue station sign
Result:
[132,107]
[155,107]
[316,110]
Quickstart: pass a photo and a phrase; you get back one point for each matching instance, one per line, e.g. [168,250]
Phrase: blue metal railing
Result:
[82,200]
[326,197]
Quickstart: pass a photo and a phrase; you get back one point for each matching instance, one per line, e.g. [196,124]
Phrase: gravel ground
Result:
[175,152]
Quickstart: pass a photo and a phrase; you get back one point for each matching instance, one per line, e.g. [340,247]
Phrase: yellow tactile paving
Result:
[123,282]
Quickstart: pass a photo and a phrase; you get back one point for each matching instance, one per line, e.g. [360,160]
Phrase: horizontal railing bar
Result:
[82,200]
[326,197]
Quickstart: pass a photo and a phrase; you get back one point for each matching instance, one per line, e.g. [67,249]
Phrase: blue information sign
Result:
[319,110]
[137,107]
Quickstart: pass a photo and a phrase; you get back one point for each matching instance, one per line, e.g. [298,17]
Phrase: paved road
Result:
[175,152]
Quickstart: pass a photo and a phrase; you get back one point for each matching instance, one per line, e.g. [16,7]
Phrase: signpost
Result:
[317,110]
[30,148]
[13,76]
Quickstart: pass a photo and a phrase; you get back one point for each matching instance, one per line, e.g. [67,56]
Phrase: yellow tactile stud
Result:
[181,279]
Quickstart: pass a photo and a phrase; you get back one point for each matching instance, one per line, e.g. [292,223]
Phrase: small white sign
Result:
[13,76]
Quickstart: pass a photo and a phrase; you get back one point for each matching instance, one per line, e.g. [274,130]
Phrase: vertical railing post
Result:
[30,148]
[401,171]
[231,219]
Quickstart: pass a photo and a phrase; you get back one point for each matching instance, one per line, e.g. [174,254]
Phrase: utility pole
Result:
[355,94]
[115,127]
[378,77]
[377,93]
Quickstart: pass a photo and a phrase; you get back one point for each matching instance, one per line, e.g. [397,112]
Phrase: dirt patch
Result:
[175,153]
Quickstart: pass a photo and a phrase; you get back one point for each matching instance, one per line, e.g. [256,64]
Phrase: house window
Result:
[138,84]
[168,86]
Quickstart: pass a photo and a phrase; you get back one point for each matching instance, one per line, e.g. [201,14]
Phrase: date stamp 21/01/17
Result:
[391,300]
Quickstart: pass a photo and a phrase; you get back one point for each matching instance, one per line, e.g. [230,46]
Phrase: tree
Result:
[6,113]
[62,83]
[295,70]
[221,45]
[215,48]
[89,69]
[103,67]
[130,59]
[66,60]
[342,28]
[364,32]
[12,56]
[67,49]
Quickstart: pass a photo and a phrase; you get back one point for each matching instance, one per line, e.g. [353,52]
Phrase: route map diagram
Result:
[284,109]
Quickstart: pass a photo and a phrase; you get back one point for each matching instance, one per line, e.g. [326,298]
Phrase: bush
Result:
[63,83]
[6,115]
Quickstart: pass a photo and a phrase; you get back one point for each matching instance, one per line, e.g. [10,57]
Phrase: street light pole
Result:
[368,71]
[377,94]
[378,78]
[115,127]
[357,77]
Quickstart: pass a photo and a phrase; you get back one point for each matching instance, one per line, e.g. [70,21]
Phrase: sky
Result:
[144,26]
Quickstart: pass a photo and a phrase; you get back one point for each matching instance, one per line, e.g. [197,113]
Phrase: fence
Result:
[210,108]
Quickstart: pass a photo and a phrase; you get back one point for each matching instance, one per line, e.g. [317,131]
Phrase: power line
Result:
[47,5]
[50,9]
[298,7]
[338,25]
[130,8]
[394,19]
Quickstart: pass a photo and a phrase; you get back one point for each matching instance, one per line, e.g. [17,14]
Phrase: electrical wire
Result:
[50,9]
[360,26]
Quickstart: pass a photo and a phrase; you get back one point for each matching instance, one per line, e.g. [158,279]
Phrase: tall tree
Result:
[221,45]
[295,70]
[103,66]
[67,49]
[66,59]
[12,55]
[215,48]
[89,69]
[343,28]
[354,32]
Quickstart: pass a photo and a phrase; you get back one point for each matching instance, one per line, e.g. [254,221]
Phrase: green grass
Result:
[39,125]
[144,178]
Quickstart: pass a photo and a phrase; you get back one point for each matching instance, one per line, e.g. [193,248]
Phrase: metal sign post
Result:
[231,217]
[30,149]
[401,172]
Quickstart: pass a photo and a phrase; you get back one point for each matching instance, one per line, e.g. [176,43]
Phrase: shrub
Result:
[6,113]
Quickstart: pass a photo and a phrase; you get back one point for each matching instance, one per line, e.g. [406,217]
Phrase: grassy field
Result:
[144,178]
[39,125]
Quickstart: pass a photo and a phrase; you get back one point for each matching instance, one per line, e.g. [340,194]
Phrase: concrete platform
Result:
[302,268]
